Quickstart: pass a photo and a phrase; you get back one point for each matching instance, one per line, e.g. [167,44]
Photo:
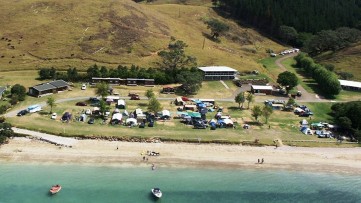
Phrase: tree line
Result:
[174,67]
[316,26]
[304,15]
[327,80]
[347,116]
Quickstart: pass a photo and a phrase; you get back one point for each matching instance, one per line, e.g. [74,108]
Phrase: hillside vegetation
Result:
[81,33]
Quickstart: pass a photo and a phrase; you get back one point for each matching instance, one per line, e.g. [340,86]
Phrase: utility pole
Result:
[204,41]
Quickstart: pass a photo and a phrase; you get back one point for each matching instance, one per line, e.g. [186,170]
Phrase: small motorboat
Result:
[55,189]
[156,192]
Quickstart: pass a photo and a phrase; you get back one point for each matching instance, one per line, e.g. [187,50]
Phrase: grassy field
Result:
[283,125]
[347,60]
[63,34]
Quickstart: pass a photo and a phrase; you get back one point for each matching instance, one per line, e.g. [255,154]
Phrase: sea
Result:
[30,183]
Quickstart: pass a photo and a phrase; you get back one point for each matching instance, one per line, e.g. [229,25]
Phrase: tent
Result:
[125,113]
[304,122]
[306,131]
[116,111]
[82,117]
[298,110]
[121,104]
[117,116]
[194,114]
[131,121]
[165,113]
[228,121]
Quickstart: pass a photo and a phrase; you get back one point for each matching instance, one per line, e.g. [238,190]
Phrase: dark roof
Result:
[43,87]
[59,83]
[2,90]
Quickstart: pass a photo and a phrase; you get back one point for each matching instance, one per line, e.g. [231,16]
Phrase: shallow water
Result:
[31,183]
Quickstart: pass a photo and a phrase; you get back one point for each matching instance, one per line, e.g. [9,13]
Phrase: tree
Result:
[256,112]
[149,93]
[217,27]
[288,34]
[191,81]
[19,90]
[250,99]
[288,80]
[240,99]
[266,112]
[291,101]
[5,132]
[103,107]
[102,89]
[51,103]
[154,105]
[175,58]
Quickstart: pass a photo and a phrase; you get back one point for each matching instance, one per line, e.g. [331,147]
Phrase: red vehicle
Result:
[134,97]
[81,104]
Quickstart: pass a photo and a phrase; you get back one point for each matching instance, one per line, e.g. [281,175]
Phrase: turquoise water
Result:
[30,183]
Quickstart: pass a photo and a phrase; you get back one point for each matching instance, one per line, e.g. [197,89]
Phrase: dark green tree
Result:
[18,90]
[175,58]
[256,112]
[217,27]
[154,105]
[102,89]
[267,112]
[149,93]
[288,80]
[288,34]
[191,81]
[240,99]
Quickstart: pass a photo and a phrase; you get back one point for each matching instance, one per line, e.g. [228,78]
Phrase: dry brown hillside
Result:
[44,33]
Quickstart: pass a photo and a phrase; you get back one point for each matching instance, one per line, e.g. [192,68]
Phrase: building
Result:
[2,90]
[218,73]
[48,88]
[261,89]
[128,81]
[350,85]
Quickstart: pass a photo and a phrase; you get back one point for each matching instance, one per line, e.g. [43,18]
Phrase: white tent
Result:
[165,113]
[306,131]
[131,120]
[298,110]
[228,121]
[304,122]
[139,111]
[117,116]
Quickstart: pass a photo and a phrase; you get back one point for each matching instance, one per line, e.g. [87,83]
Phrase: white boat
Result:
[156,192]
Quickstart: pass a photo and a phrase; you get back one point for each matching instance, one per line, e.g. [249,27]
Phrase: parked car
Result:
[53,116]
[134,97]
[83,87]
[81,104]
[91,121]
[22,113]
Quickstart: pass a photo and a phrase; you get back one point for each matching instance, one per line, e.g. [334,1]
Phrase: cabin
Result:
[261,89]
[168,90]
[48,88]
[350,85]
[218,73]
[110,81]
[142,82]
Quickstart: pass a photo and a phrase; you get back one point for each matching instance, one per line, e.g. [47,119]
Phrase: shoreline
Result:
[183,155]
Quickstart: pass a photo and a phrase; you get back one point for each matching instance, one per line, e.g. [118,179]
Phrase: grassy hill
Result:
[68,33]
[347,60]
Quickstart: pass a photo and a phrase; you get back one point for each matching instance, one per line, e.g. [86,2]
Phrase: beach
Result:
[115,153]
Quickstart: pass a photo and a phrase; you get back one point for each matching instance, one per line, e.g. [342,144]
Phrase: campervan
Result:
[34,108]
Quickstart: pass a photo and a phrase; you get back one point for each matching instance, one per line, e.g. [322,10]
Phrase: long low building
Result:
[262,89]
[218,73]
[48,88]
[127,81]
[350,85]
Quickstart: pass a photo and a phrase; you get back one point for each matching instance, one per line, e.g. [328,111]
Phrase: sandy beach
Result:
[113,153]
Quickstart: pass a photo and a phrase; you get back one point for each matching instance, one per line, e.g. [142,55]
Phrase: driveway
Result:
[306,96]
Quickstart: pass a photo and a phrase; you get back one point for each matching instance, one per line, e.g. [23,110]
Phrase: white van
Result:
[83,87]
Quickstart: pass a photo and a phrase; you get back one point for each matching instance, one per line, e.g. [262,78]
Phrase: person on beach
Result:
[262,161]
[258,160]
[153,167]
[143,158]
[117,147]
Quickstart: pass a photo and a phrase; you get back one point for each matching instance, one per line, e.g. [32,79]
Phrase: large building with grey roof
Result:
[218,73]
[52,87]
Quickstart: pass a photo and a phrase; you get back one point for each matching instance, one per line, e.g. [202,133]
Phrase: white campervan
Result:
[34,108]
